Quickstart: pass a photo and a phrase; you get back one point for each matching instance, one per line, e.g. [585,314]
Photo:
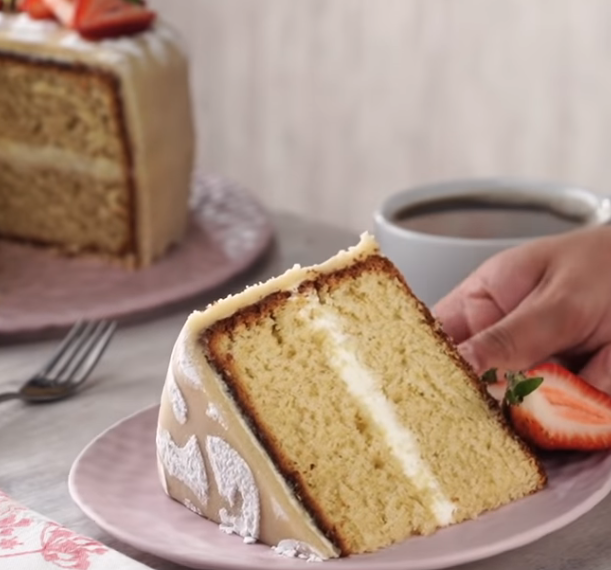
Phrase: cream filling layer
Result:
[60,159]
[365,387]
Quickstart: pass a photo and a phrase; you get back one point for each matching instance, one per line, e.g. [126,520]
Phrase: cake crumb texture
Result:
[70,107]
[71,211]
[64,164]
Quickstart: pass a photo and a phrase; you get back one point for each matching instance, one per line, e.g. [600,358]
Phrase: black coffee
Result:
[479,218]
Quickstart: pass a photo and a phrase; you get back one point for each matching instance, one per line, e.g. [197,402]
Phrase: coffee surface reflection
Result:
[480,219]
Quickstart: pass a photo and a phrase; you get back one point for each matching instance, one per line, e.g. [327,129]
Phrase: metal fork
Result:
[69,366]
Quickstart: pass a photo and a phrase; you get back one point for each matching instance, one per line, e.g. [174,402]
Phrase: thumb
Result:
[532,333]
[598,369]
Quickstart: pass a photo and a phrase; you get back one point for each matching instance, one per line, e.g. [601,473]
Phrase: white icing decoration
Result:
[184,463]
[179,405]
[185,362]
[296,549]
[126,45]
[278,511]
[27,29]
[235,482]
[231,529]
[74,40]
[215,414]
[120,46]
[192,507]
[23,22]
[235,223]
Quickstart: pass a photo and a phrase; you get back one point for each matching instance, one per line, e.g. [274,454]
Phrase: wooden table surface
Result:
[39,444]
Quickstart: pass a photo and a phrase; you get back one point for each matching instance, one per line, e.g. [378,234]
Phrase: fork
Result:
[69,366]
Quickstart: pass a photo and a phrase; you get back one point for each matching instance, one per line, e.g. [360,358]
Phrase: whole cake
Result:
[96,131]
[325,413]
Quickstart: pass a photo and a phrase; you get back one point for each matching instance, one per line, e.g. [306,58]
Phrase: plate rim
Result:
[508,544]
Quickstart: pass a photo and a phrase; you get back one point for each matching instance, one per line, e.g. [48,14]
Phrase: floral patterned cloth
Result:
[29,541]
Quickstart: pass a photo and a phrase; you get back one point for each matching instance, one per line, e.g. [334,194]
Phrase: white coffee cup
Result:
[434,264]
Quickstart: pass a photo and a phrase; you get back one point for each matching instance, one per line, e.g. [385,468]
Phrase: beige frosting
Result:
[289,280]
[195,403]
[153,71]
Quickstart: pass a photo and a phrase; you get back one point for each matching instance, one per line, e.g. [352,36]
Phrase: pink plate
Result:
[114,481]
[42,292]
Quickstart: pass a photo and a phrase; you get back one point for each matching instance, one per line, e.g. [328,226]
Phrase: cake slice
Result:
[327,407]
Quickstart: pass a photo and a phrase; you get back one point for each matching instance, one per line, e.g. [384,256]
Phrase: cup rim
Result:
[600,204]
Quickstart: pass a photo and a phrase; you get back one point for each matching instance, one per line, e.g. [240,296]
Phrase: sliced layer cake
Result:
[96,139]
[326,406]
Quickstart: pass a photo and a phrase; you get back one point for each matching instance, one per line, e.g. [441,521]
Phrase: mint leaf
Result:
[526,387]
[519,386]
[489,377]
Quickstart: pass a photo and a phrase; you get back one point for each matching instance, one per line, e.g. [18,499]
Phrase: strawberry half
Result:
[37,9]
[97,19]
[564,412]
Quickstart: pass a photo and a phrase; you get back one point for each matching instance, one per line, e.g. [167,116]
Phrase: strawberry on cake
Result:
[99,19]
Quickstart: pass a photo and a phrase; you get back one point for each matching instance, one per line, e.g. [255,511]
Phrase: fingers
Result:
[598,369]
[532,333]
[530,303]
[492,291]
[468,310]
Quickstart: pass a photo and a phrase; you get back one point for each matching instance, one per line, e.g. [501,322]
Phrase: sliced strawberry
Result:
[565,412]
[64,10]
[37,9]
[97,19]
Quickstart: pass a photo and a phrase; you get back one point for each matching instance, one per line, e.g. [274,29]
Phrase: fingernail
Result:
[468,353]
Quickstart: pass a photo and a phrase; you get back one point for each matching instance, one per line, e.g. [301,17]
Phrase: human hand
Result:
[547,299]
